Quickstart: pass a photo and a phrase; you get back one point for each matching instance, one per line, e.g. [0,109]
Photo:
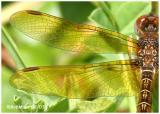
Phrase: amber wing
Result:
[66,35]
[86,81]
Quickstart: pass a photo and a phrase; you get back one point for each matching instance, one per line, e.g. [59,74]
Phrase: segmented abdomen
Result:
[145,100]
[148,61]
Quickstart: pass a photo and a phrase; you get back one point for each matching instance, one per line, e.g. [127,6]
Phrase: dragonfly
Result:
[130,77]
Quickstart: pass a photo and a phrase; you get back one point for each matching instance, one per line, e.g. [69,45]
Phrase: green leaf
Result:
[124,13]
[74,110]
[113,107]
[106,104]
[99,17]
[40,106]
[28,108]
[76,11]
[155,96]
[17,100]
[8,92]
[61,106]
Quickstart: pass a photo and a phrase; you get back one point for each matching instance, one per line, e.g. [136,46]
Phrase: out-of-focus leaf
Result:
[61,106]
[28,108]
[17,100]
[7,91]
[124,14]
[155,95]
[86,58]
[20,106]
[74,110]
[113,107]
[76,11]
[99,17]
[98,105]
[40,106]
[5,3]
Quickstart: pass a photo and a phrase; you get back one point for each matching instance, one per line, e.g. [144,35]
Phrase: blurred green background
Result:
[116,16]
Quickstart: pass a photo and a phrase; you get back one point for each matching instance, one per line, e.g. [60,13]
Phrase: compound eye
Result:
[144,24]
[156,28]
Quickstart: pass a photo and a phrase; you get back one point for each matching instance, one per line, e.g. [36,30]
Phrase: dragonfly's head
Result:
[147,26]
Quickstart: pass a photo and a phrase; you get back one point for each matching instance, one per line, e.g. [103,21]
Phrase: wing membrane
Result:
[65,35]
[86,81]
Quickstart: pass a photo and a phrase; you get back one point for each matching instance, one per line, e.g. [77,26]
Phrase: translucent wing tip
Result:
[16,14]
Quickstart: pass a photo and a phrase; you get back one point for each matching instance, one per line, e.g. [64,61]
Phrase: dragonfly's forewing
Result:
[63,34]
[86,81]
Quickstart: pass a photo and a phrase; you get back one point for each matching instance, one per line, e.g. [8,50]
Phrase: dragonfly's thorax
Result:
[147,53]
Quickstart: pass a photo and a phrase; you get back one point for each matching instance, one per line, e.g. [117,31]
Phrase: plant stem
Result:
[154,9]
[12,48]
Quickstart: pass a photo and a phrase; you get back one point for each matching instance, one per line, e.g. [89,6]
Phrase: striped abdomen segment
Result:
[145,100]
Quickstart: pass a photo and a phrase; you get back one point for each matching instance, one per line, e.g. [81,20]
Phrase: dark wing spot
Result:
[33,12]
[30,69]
